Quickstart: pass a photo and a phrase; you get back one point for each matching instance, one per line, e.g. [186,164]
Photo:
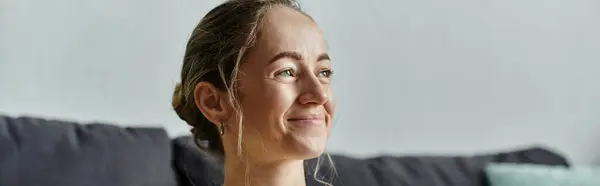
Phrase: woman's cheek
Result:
[330,105]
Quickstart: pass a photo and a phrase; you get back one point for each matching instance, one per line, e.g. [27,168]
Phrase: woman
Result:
[255,84]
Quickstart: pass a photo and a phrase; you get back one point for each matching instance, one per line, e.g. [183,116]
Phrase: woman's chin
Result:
[305,147]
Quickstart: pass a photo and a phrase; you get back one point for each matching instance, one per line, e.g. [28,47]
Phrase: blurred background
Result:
[413,77]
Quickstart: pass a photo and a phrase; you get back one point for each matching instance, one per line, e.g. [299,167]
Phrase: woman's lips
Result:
[314,119]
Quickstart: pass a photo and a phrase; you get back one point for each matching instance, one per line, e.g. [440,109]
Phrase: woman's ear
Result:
[211,102]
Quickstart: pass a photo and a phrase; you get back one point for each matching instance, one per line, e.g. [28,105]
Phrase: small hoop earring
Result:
[222,129]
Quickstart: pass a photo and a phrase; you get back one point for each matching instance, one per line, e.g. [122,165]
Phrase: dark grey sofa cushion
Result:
[196,167]
[37,152]
[201,169]
[428,170]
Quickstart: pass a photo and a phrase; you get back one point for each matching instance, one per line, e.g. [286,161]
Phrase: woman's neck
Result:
[247,173]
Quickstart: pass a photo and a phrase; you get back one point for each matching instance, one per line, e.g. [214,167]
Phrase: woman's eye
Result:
[286,73]
[326,73]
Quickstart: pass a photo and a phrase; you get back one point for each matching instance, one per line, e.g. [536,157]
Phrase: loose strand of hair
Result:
[316,173]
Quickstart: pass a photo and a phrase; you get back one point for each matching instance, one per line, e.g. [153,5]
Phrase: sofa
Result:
[36,151]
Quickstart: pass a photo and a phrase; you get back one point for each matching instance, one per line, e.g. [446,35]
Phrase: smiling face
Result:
[285,89]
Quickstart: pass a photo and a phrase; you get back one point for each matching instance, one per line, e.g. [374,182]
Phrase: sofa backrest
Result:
[429,170]
[36,151]
[196,167]
[199,168]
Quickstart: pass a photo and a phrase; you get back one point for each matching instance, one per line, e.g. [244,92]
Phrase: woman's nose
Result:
[314,92]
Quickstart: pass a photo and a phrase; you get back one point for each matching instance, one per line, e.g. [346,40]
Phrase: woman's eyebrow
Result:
[296,56]
[323,56]
[286,54]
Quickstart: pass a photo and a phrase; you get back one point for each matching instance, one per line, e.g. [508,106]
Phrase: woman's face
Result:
[286,95]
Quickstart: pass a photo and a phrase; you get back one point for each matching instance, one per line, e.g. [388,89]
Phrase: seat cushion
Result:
[36,151]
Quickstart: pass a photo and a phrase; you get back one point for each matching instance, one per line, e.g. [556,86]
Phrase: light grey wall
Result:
[432,76]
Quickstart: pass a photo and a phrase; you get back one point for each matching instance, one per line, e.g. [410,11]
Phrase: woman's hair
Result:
[213,54]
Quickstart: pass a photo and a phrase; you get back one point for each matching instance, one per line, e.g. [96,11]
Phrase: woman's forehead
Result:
[285,29]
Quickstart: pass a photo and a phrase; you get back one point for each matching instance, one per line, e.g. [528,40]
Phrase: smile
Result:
[314,119]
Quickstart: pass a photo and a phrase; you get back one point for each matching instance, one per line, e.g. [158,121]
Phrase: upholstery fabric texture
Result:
[37,152]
